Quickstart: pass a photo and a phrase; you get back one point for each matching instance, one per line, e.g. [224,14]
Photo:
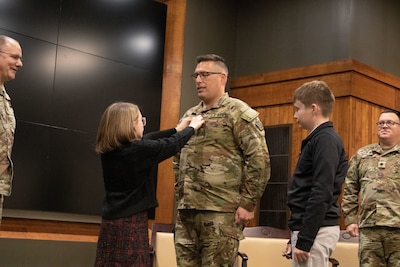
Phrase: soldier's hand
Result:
[242,216]
[352,229]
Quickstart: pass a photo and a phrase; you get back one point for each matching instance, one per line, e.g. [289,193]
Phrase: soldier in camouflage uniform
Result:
[10,62]
[221,173]
[374,176]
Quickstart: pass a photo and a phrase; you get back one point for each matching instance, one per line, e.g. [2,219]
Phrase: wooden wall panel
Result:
[277,93]
[374,91]
[362,130]
[49,230]
[361,91]
[340,119]
[283,114]
[295,73]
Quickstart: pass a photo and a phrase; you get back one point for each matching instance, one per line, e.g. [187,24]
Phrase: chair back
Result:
[263,246]
[346,237]
[162,250]
[266,231]
[160,227]
[346,251]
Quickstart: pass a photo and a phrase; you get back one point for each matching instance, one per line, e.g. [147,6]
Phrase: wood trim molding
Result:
[345,77]
[49,230]
[171,99]
[313,71]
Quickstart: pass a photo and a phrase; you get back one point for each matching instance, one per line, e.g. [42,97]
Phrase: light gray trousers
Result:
[324,244]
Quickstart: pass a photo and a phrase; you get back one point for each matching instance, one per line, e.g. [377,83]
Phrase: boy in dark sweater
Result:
[317,180]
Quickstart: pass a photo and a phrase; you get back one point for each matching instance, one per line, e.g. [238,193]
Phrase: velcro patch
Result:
[249,115]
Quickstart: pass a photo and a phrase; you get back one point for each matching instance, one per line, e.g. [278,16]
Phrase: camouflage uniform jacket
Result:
[226,163]
[373,174]
[7,129]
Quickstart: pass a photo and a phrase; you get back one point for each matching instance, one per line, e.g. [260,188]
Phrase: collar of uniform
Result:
[220,103]
[4,94]
[3,91]
[378,149]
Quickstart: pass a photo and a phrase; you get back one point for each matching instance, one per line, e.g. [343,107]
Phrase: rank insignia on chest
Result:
[381,164]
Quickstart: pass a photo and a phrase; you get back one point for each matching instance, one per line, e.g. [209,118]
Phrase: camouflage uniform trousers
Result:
[1,207]
[379,247]
[206,238]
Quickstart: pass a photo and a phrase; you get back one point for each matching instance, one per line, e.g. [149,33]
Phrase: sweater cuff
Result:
[303,244]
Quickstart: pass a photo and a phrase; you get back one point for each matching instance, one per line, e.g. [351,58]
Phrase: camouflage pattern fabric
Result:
[375,174]
[1,207]
[7,130]
[379,247]
[374,177]
[204,238]
[226,163]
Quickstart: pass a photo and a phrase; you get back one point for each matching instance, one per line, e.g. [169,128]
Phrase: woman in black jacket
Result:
[127,159]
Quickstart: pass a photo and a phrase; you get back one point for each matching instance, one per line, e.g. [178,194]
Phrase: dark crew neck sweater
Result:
[126,171]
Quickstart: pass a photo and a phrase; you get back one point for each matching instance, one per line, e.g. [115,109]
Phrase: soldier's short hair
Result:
[392,111]
[5,39]
[220,61]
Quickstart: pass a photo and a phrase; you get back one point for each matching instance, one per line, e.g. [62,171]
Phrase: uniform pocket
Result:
[231,232]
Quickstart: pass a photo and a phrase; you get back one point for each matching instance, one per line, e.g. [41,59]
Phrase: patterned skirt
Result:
[124,242]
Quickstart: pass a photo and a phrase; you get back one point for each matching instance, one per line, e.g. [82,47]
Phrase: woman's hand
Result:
[197,122]
[183,124]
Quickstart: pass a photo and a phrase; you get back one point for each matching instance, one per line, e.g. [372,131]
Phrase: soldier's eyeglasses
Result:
[14,56]
[389,123]
[203,74]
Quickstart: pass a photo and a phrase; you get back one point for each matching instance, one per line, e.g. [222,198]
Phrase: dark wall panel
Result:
[105,28]
[38,18]
[32,89]
[84,56]
[85,84]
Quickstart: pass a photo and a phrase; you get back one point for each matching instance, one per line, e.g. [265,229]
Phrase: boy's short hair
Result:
[316,92]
